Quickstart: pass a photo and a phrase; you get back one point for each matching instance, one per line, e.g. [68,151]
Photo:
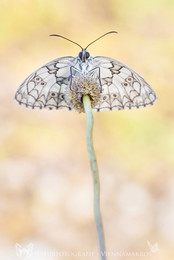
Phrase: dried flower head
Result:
[82,85]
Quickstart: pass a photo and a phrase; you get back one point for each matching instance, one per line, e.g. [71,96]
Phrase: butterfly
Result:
[61,83]
[24,251]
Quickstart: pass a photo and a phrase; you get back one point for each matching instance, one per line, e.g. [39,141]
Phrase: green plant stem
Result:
[95,175]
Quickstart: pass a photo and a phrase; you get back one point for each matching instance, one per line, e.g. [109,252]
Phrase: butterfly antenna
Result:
[100,38]
[57,35]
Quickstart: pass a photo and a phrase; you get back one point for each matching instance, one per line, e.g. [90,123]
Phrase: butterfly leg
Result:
[73,72]
[93,72]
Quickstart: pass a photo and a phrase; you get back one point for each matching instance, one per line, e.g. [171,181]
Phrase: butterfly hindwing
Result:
[45,88]
[122,87]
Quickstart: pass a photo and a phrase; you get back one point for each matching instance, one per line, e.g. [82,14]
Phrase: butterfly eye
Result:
[125,84]
[87,55]
[80,55]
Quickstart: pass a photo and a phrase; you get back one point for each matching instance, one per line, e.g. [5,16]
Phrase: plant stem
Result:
[95,175]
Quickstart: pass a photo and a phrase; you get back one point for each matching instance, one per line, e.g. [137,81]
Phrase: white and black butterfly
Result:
[120,86]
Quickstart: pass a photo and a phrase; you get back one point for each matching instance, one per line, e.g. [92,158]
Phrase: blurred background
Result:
[46,189]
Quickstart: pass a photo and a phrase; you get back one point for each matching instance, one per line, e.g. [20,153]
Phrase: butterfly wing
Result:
[45,88]
[19,250]
[122,87]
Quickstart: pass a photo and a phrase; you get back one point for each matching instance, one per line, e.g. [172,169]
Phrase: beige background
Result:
[46,192]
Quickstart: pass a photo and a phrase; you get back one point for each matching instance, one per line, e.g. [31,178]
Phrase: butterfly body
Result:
[121,87]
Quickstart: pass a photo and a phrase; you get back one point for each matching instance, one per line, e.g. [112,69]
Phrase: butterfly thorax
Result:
[84,62]
[85,67]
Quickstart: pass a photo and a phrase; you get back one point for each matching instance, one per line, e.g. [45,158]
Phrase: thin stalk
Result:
[95,175]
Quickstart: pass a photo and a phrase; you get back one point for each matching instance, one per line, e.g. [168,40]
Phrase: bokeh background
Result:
[46,189]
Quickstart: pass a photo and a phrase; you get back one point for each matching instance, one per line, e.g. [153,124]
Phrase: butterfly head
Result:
[84,55]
